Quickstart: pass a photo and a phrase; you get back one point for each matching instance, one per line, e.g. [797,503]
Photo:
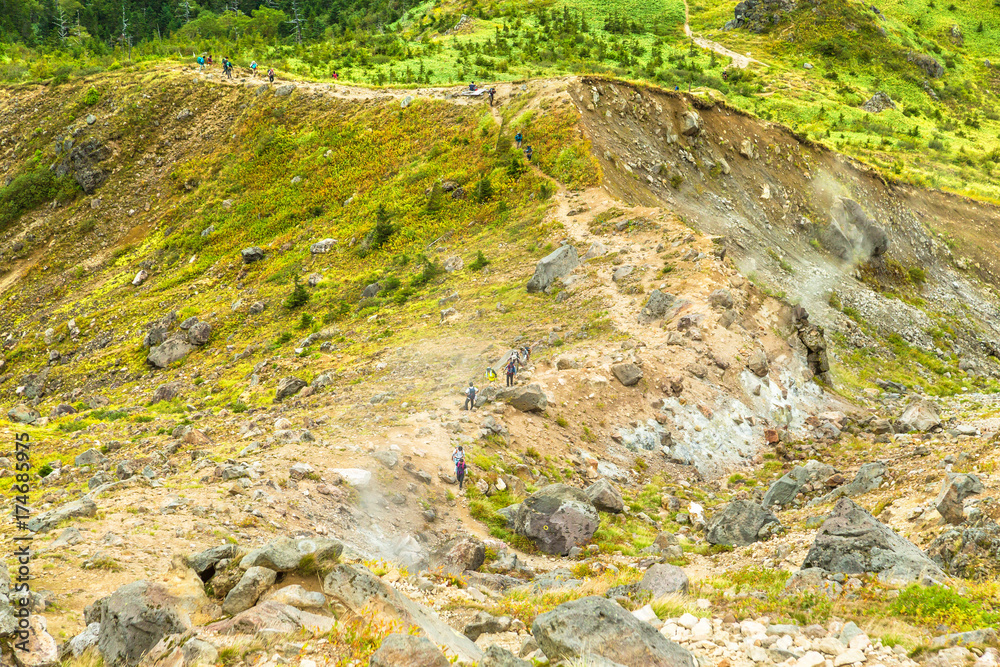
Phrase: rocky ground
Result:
[677,477]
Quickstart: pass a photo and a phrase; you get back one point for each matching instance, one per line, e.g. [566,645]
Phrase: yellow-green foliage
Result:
[560,148]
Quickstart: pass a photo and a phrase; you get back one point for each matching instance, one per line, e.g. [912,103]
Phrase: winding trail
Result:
[739,60]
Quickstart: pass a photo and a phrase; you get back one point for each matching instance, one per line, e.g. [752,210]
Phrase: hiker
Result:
[270,75]
[519,138]
[493,91]
[527,153]
[336,75]
[201,63]
[229,69]
[458,456]
[210,61]
[510,370]
[253,68]
[472,86]
[526,351]
[491,375]
[470,397]
[676,88]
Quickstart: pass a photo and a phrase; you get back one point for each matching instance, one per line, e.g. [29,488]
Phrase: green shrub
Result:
[299,296]
[305,321]
[484,189]
[28,191]
[480,262]
[239,407]
[91,97]
[45,470]
[381,234]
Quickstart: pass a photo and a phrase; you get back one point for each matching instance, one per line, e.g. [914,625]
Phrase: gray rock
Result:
[928,64]
[62,410]
[387,457]
[690,123]
[254,583]
[84,640]
[22,414]
[656,306]
[557,517]
[298,597]
[357,589]
[371,290]
[869,478]
[68,537]
[955,489]
[738,524]
[602,627]
[721,298]
[982,637]
[322,247]
[90,119]
[554,265]
[496,656]
[852,541]
[528,398]
[605,497]
[251,255]
[628,374]
[784,490]
[485,623]
[166,392]
[920,415]
[970,551]
[82,163]
[37,648]
[878,103]
[465,552]
[286,554]
[133,619]
[169,352]
[284,90]
[204,562]
[43,523]
[184,114]
[200,333]
[758,362]
[664,579]
[288,386]
[405,650]
[272,618]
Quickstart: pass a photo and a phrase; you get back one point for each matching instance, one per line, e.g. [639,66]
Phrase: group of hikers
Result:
[227,67]
[491,92]
[515,360]
[528,152]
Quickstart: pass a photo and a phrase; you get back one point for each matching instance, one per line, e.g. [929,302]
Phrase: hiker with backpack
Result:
[458,456]
[511,369]
[491,375]
[270,75]
[201,63]
[210,61]
[470,397]
[528,153]
[519,138]
[253,68]
[493,91]
[526,353]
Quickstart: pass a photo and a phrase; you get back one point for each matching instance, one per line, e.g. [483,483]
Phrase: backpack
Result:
[460,467]
[471,392]
[270,72]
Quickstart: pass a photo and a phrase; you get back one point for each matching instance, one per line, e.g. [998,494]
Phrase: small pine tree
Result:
[484,189]
[299,296]
[979,28]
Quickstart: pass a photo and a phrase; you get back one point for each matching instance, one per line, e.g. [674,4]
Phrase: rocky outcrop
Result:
[928,64]
[169,352]
[557,517]
[628,374]
[133,619]
[739,524]
[852,541]
[869,478]
[253,584]
[82,163]
[664,579]
[784,490]
[920,415]
[852,235]
[970,551]
[598,626]
[954,491]
[553,266]
[360,591]
[530,398]
[288,386]
[43,523]
[605,497]
[287,554]
[465,552]
[878,103]
[404,650]
[759,15]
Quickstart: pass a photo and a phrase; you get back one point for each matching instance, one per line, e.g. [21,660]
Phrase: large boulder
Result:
[272,618]
[920,415]
[465,552]
[360,592]
[954,491]
[22,414]
[82,162]
[759,15]
[557,517]
[168,352]
[739,524]
[404,650]
[251,255]
[970,551]
[554,265]
[784,490]
[879,102]
[851,234]
[289,386]
[43,523]
[200,333]
[928,64]
[133,619]
[690,123]
[286,554]
[599,626]
[628,374]
[38,648]
[605,497]
[664,579]
[852,541]
[656,306]
[204,562]
[252,585]
[530,398]
[869,478]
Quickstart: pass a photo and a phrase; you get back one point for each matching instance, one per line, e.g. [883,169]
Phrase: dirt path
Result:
[739,60]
